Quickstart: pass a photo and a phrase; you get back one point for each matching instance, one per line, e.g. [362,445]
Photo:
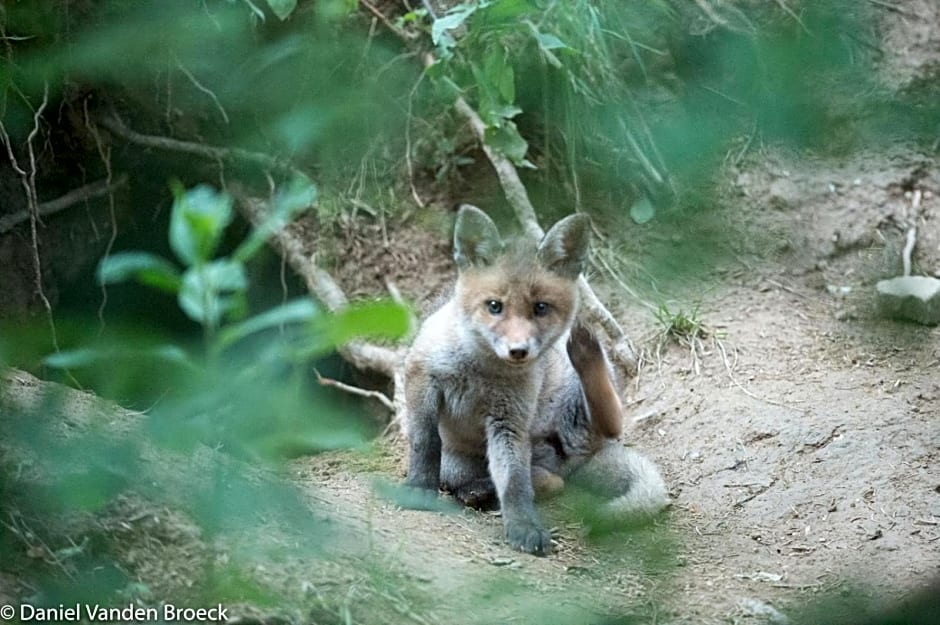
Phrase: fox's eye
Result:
[540,309]
[494,306]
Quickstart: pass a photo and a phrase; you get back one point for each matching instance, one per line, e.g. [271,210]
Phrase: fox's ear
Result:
[476,239]
[564,249]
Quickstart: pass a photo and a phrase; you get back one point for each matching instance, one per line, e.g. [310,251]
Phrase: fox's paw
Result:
[529,537]
[584,350]
[479,494]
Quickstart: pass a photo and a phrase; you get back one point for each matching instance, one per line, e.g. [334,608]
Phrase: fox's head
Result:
[517,298]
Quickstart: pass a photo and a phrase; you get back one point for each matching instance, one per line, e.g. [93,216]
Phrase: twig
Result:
[81,194]
[115,125]
[388,23]
[724,359]
[783,5]
[893,7]
[747,146]
[198,85]
[355,390]
[709,11]
[408,161]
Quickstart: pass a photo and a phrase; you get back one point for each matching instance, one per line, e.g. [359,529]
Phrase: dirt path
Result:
[800,436]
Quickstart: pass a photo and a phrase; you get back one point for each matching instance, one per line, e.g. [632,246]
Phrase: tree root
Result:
[81,194]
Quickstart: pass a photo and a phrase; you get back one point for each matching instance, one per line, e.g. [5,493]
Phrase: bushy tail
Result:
[630,482]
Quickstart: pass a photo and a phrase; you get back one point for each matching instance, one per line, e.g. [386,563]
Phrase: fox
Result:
[507,396]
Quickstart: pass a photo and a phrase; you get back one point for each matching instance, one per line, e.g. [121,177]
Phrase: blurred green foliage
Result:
[626,109]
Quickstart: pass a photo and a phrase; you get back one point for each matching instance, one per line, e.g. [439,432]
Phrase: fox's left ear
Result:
[564,248]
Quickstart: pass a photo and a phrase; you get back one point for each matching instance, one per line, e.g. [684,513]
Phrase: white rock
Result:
[915,298]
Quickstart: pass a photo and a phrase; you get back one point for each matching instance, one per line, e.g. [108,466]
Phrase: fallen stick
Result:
[87,192]
[355,390]
[116,125]
[322,286]
[361,354]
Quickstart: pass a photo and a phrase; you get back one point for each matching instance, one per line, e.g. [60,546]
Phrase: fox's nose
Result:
[518,353]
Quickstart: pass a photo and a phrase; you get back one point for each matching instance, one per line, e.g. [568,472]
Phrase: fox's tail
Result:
[628,480]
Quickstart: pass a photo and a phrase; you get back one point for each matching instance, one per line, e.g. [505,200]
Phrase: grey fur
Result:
[564,249]
[478,425]
[476,239]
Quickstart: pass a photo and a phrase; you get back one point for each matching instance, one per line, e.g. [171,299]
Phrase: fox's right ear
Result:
[476,239]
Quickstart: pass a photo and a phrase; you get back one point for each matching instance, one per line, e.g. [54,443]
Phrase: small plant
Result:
[251,399]
[681,326]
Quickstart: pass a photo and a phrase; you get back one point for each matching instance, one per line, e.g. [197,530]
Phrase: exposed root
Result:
[115,125]
[105,154]
[84,193]
[198,85]
[28,178]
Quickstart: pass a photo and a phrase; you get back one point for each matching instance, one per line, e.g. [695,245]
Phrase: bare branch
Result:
[115,125]
[321,285]
[82,194]
[355,390]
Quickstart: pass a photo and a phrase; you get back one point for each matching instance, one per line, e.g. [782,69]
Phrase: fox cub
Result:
[508,398]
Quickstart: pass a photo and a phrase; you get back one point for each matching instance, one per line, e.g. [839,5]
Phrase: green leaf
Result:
[642,210]
[299,194]
[507,140]
[291,312]
[146,268]
[199,217]
[375,319]
[550,42]
[454,19]
[87,356]
[209,291]
[335,9]
[282,8]
[507,10]
[499,75]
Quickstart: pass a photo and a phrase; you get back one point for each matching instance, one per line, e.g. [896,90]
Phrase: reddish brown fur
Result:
[518,286]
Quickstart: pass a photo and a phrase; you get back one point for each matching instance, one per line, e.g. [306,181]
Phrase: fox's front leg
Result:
[509,452]
[423,402]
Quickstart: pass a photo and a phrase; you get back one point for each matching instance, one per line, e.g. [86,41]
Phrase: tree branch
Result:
[87,192]
[115,125]
[361,354]
[321,285]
